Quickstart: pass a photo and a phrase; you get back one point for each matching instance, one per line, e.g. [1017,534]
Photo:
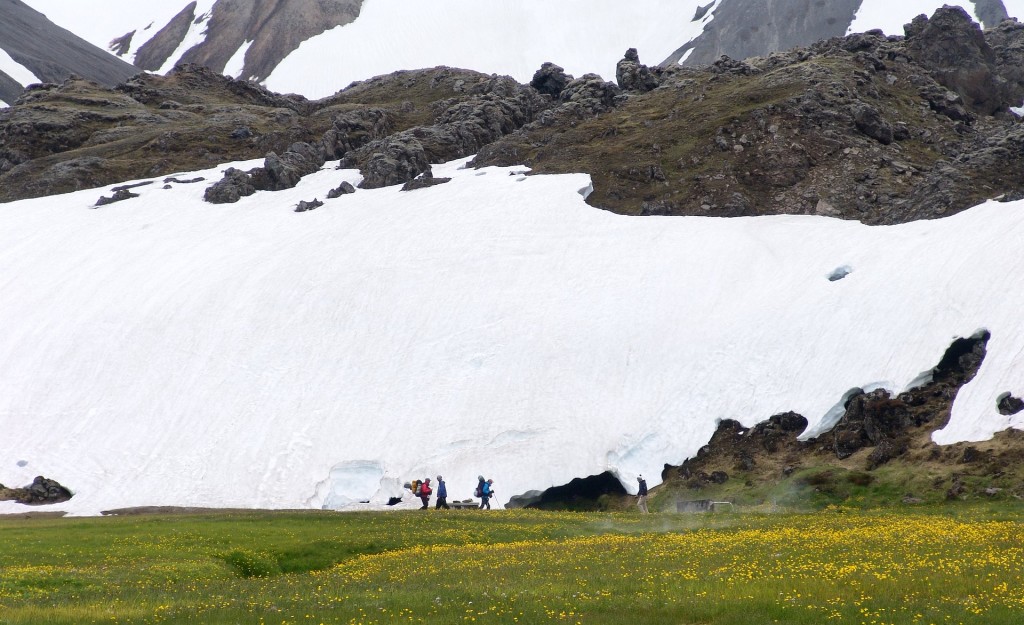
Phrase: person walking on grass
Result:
[442,495]
[425,492]
[641,501]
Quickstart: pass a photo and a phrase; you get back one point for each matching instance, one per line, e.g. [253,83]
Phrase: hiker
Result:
[442,495]
[486,492]
[641,501]
[425,493]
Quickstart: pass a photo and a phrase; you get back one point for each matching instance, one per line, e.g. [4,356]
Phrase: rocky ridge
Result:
[866,127]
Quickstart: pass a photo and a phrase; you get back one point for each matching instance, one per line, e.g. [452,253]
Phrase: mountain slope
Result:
[181,353]
[285,44]
[44,52]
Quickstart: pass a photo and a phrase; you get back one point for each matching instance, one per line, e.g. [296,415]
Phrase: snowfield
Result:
[165,351]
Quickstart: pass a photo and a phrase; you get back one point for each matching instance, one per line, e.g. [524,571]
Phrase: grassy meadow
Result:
[934,565]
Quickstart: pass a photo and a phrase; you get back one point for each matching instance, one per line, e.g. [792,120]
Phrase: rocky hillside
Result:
[879,452]
[51,52]
[867,127]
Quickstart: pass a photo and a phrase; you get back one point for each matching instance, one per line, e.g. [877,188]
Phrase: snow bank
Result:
[164,351]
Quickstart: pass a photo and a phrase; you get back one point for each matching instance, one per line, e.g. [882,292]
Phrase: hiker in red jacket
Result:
[425,492]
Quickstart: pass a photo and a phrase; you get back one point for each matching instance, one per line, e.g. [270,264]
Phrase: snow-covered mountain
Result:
[315,47]
[162,350]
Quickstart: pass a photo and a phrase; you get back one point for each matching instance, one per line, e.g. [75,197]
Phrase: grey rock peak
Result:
[745,28]
[51,52]
[273,28]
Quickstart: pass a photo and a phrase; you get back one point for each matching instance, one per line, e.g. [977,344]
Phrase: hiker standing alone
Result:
[484,492]
[442,495]
[641,501]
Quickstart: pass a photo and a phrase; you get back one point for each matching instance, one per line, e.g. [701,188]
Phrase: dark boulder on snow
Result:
[41,491]
[304,206]
[395,160]
[344,188]
[424,180]
[119,196]
[235,185]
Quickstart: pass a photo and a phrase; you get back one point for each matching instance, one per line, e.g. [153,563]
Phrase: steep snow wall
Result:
[164,351]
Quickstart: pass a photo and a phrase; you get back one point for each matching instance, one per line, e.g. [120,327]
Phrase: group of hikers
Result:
[423,490]
[485,490]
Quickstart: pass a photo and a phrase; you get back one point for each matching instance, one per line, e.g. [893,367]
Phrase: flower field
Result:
[944,566]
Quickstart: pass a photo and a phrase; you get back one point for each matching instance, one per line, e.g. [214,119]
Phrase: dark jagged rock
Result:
[395,160]
[424,180]
[727,65]
[1010,405]
[235,185]
[954,48]
[493,109]
[304,206]
[344,188]
[868,120]
[631,75]
[119,196]
[354,129]
[349,131]
[591,93]
[876,429]
[550,79]
[40,492]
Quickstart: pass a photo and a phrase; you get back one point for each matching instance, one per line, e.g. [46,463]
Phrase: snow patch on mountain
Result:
[195,36]
[16,70]
[512,38]
[164,351]
[99,23]
[890,16]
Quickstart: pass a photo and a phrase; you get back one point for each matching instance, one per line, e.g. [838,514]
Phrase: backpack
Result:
[478,492]
[416,487]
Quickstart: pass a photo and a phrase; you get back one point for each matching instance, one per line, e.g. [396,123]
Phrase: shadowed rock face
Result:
[50,52]
[154,53]
[745,28]
[275,28]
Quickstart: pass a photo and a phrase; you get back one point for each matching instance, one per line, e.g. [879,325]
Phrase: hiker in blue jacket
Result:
[442,494]
[486,492]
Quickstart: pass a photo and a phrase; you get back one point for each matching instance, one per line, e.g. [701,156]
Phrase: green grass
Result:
[929,565]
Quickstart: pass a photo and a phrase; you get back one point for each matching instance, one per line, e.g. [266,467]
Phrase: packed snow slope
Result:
[513,37]
[165,351]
